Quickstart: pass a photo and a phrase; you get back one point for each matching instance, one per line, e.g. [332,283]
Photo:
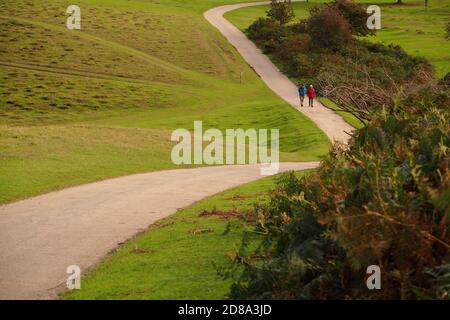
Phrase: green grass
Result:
[419,31]
[79,106]
[178,257]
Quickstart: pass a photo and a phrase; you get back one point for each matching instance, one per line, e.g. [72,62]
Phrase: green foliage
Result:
[328,28]
[262,30]
[440,280]
[332,26]
[294,255]
[383,201]
[307,49]
[355,14]
[445,81]
[408,26]
[281,11]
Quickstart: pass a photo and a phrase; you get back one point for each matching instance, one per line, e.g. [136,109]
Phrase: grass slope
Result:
[145,267]
[420,31]
[78,106]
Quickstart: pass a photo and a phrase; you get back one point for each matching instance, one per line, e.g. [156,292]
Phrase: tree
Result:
[281,11]
[328,28]
[356,15]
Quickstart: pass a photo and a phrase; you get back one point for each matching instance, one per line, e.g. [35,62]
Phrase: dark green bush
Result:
[281,11]
[384,200]
[296,51]
[328,28]
[445,81]
[355,14]
[264,28]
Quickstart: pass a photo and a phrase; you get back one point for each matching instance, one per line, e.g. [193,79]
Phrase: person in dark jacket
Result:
[311,95]
[302,93]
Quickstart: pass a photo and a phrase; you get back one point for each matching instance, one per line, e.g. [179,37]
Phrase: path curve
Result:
[40,237]
[332,124]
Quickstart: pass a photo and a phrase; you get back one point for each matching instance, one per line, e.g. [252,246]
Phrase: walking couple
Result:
[310,92]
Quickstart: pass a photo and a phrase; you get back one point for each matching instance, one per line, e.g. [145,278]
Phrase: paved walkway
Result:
[40,237]
[332,124]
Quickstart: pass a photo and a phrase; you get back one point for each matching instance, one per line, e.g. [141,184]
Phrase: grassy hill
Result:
[420,31]
[79,106]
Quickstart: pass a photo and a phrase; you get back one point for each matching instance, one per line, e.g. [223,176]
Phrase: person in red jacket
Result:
[311,95]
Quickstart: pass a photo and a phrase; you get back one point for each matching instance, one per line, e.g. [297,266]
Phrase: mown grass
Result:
[178,257]
[420,31]
[78,106]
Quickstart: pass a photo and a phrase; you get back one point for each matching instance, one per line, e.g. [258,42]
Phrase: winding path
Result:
[40,237]
[327,120]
